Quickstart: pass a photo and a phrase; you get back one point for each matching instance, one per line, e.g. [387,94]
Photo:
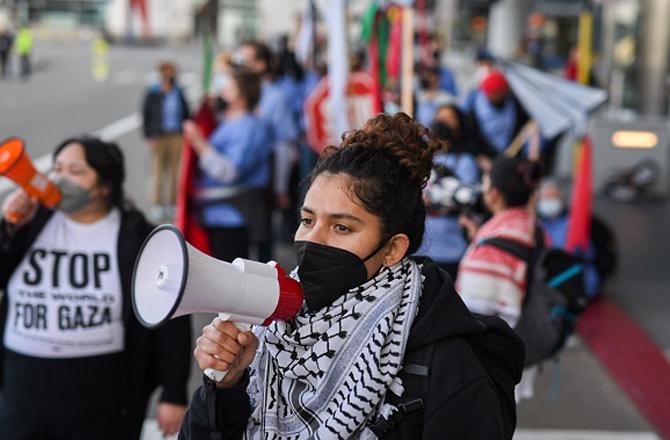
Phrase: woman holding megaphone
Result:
[383,346]
[74,361]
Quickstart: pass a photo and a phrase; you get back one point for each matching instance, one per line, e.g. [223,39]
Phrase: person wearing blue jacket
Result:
[234,171]
[274,108]
[164,109]
[444,241]
[554,217]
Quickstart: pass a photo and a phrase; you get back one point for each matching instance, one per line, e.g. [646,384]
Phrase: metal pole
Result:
[654,57]
[585,44]
[406,102]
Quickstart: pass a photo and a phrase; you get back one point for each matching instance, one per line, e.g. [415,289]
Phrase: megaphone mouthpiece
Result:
[290,298]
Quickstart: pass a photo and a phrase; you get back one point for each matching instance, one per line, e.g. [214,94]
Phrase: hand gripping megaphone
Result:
[172,278]
[16,165]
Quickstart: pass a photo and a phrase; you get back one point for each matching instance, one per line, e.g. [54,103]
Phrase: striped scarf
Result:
[326,374]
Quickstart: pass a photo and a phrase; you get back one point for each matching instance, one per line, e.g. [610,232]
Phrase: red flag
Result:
[393,62]
[579,224]
[423,30]
[186,216]
[374,71]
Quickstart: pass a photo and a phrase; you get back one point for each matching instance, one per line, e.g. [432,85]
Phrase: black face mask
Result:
[221,104]
[328,272]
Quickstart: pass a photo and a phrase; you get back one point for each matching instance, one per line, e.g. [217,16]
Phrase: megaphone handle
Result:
[217,375]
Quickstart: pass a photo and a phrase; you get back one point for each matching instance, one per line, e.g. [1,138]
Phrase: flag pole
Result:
[406,101]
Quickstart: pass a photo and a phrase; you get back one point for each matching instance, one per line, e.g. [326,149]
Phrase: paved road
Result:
[576,400]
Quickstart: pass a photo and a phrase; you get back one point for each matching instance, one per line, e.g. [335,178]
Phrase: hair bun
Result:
[409,142]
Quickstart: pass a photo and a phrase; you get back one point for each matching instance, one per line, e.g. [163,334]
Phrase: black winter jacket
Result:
[152,111]
[467,389]
[151,358]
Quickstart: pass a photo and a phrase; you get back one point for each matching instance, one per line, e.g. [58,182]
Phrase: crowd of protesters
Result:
[486,141]
[245,152]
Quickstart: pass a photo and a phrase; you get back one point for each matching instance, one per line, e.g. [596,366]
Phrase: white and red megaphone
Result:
[172,278]
[16,165]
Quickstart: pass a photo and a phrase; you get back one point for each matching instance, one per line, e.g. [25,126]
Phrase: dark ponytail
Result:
[516,179]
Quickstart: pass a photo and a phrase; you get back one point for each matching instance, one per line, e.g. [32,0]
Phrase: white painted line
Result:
[119,128]
[124,77]
[114,130]
[109,133]
[557,434]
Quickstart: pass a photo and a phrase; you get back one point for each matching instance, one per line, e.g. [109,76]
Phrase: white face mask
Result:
[550,207]
[218,82]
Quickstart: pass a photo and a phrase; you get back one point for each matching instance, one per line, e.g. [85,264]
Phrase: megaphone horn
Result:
[16,165]
[172,278]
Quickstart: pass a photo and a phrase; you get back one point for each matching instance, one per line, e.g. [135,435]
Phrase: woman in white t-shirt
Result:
[74,361]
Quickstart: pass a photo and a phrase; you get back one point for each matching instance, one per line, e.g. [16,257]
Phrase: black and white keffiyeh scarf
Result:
[326,374]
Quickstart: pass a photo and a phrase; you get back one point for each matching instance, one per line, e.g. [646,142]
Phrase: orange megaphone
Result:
[16,165]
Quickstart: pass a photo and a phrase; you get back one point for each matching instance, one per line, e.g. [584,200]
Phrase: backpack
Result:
[416,372]
[555,296]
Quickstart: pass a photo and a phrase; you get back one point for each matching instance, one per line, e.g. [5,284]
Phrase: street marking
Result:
[114,130]
[557,434]
[108,133]
[119,128]
[124,77]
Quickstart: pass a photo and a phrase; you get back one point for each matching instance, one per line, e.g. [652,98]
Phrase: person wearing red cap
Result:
[497,114]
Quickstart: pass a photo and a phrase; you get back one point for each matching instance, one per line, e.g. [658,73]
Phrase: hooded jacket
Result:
[151,358]
[463,369]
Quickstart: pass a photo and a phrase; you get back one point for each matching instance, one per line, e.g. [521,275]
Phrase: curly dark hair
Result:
[389,161]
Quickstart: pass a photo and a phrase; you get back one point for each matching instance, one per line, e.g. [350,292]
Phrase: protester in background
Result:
[444,241]
[430,97]
[497,114]
[222,70]
[369,309]
[75,363]
[484,64]
[164,109]
[447,82]
[554,216]
[24,48]
[273,110]
[234,171]
[461,129]
[6,42]
[491,281]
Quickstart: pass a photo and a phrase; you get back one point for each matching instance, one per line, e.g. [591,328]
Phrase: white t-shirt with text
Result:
[65,297]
